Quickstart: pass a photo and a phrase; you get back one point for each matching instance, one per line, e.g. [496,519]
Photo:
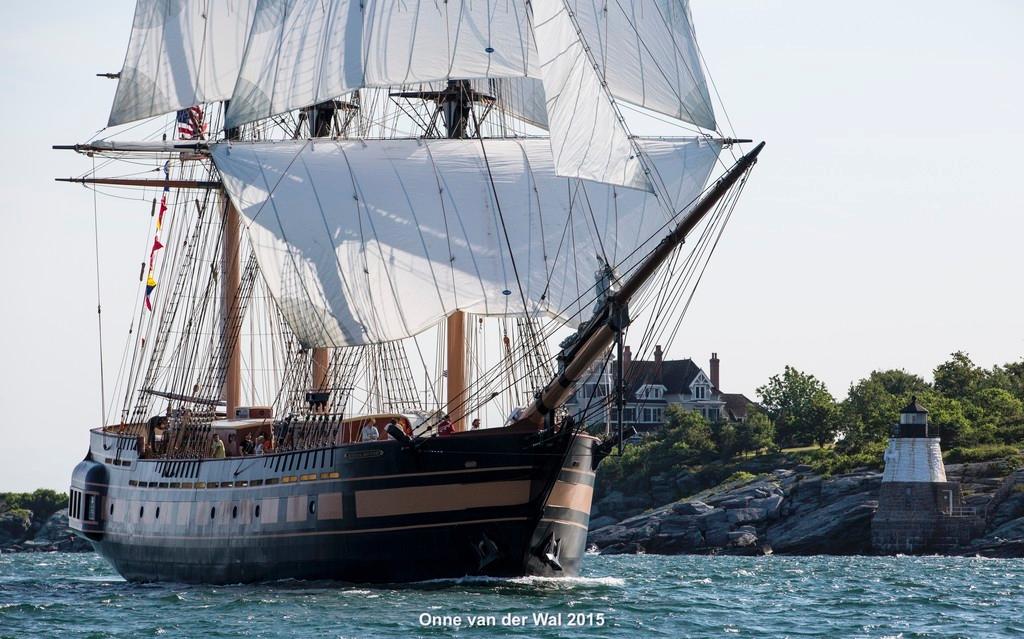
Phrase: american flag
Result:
[190,123]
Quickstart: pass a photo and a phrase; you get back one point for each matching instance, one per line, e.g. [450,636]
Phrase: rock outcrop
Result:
[742,518]
[14,526]
[783,511]
[794,511]
[20,531]
[1004,510]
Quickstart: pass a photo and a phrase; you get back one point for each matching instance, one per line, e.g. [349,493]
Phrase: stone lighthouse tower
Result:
[918,510]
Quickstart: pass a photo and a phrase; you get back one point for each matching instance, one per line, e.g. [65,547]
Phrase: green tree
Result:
[947,416]
[755,433]
[43,502]
[823,419]
[687,430]
[726,439]
[872,406]
[996,405]
[958,377]
[1014,376]
[801,408]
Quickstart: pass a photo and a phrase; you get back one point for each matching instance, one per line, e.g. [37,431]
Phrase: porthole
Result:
[157,513]
[111,508]
[234,512]
[213,512]
[312,507]
[257,511]
[142,509]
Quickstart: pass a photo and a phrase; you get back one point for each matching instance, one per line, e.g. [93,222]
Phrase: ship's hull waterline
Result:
[506,502]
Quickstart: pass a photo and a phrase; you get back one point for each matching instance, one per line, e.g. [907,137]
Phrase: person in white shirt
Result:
[369,433]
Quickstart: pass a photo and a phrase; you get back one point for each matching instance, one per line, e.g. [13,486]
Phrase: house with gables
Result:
[651,386]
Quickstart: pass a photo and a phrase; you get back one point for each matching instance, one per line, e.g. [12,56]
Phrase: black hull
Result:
[392,557]
[496,503]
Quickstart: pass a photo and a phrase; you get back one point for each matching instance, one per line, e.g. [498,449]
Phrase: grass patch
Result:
[740,476]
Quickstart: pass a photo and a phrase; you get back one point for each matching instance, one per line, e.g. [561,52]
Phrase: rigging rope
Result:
[99,306]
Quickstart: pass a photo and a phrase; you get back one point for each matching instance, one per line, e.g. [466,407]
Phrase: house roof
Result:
[675,375]
[737,405]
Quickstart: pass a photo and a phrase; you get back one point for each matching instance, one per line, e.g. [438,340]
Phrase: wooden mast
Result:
[231,277]
[230,282]
[320,118]
[321,362]
[456,103]
[457,382]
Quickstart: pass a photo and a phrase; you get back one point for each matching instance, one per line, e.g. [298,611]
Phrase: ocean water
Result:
[78,595]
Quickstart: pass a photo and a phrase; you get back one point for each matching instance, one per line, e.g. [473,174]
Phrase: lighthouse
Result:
[918,510]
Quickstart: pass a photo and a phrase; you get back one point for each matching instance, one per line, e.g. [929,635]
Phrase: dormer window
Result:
[700,391]
[651,391]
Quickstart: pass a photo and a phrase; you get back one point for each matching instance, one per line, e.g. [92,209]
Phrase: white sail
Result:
[588,137]
[405,42]
[299,53]
[369,241]
[302,52]
[181,53]
[522,97]
[648,54]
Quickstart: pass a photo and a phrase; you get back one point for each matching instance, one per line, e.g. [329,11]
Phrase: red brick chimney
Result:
[627,357]
[657,364]
[714,370]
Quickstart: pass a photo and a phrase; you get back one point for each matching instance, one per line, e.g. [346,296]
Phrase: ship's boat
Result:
[371,221]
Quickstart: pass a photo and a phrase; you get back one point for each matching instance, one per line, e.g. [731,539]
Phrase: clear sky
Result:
[882,227]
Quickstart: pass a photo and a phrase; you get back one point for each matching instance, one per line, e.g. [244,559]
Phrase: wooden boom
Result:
[172,184]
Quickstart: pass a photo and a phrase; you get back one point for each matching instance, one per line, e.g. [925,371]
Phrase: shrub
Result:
[988,452]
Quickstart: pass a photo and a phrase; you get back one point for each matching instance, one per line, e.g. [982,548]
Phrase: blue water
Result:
[65,595]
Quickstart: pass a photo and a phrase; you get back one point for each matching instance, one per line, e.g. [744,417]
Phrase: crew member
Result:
[369,433]
[248,445]
[218,447]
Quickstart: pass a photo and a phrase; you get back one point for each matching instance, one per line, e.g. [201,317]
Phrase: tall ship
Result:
[386,240]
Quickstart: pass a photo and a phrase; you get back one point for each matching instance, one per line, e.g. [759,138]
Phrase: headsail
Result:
[370,241]
[181,53]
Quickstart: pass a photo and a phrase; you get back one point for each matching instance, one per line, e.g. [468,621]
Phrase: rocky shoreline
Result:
[797,512]
[22,530]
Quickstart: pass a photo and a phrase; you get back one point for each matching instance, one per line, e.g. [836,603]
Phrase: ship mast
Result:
[321,119]
[231,268]
[456,103]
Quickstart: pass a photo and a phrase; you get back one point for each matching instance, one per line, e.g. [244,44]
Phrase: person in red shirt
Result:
[445,428]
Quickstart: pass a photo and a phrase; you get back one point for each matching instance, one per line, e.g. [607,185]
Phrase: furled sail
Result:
[370,241]
[301,52]
[589,139]
[181,53]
